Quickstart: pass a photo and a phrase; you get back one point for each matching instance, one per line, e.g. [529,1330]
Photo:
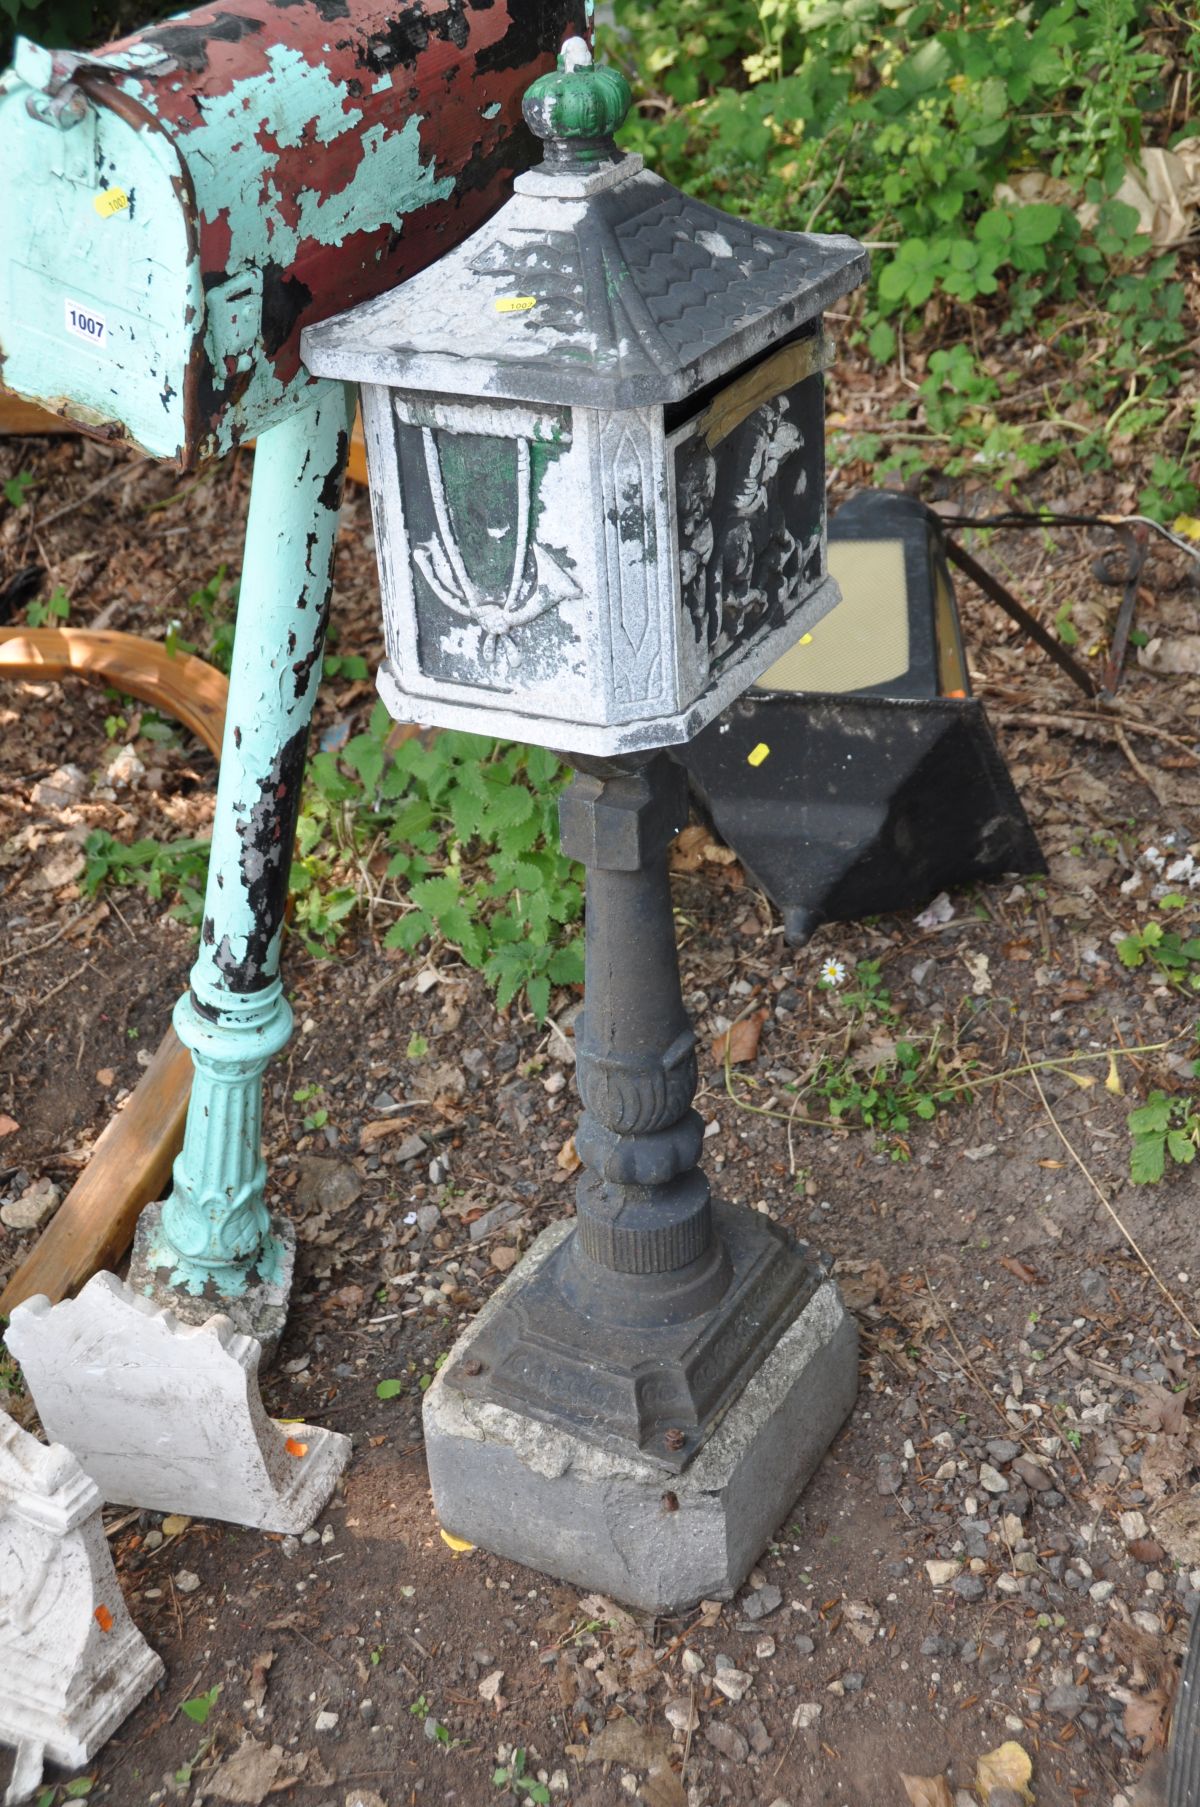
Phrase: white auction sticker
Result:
[85,323]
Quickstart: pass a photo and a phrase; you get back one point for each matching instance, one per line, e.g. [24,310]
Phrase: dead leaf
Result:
[1146,1717]
[1006,1767]
[662,1788]
[311,1766]
[1177,1528]
[1021,1269]
[981,980]
[1180,656]
[687,849]
[248,1776]
[1162,1410]
[1165,1461]
[258,1676]
[861,1282]
[379,1131]
[927,1791]
[625,1741]
[8,1125]
[741,1041]
[504,1257]
[599,1606]
[442,1085]
[566,1158]
[63,869]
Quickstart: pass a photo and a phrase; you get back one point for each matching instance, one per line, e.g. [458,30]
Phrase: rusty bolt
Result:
[670,1502]
[674,1439]
[472,1368]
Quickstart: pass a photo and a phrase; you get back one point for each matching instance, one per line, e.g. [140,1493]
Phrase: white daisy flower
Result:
[832,972]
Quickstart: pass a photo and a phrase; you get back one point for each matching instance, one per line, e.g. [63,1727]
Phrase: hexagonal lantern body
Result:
[595,437]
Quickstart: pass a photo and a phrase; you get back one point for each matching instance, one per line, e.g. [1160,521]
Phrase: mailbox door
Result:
[100,292]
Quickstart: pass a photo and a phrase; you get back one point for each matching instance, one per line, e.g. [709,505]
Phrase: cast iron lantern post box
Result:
[595,441]
[176,207]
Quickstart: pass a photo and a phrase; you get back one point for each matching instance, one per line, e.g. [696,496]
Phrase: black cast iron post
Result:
[645,1246]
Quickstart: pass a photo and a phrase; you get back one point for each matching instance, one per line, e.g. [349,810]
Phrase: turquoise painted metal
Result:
[180,204]
[176,208]
[215,1225]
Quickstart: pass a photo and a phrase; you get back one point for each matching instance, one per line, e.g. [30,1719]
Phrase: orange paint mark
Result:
[294,1448]
[103,1618]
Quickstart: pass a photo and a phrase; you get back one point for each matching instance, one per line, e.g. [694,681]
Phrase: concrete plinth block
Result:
[544,1497]
[168,1416]
[72,1662]
[259,1310]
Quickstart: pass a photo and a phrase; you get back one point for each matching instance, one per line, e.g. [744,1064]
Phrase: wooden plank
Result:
[357,465]
[18,418]
[182,686]
[129,1166]
[25,420]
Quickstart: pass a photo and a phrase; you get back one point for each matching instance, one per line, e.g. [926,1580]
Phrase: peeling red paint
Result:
[449,64]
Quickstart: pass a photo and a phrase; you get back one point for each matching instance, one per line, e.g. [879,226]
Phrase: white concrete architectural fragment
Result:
[72,1662]
[168,1416]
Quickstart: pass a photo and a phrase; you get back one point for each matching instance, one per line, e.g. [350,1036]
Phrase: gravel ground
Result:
[1002,1550]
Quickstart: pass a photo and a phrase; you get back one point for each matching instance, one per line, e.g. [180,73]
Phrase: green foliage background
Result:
[75,24]
[896,123]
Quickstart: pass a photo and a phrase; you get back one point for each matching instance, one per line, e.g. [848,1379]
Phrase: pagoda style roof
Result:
[606,288]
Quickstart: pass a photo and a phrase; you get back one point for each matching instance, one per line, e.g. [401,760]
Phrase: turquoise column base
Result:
[213,1245]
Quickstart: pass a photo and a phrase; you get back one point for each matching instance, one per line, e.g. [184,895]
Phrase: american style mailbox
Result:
[595,444]
[176,207]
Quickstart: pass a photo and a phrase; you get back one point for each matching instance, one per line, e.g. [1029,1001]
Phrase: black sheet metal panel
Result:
[856,799]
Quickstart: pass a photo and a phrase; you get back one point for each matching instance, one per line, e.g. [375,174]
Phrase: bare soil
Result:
[1001,1303]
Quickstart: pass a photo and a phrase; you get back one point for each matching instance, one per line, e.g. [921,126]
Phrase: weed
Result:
[915,126]
[215,603]
[11,1382]
[199,1708]
[512,1777]
[173,868]
[1162,1129]
[47,614]
[1176,956]
[318,1116]
[17,488]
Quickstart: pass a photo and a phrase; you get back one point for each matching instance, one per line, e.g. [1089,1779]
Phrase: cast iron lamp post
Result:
[595,440]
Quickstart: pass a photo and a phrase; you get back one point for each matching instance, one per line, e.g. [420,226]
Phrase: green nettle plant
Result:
[454,842]
[917,127]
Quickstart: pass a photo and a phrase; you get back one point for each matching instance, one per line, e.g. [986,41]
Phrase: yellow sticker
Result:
[806,640]
[457,1544]
[515,304]
[112,200]
[759,754]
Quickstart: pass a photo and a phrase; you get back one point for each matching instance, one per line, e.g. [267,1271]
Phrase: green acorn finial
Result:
[577,110]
